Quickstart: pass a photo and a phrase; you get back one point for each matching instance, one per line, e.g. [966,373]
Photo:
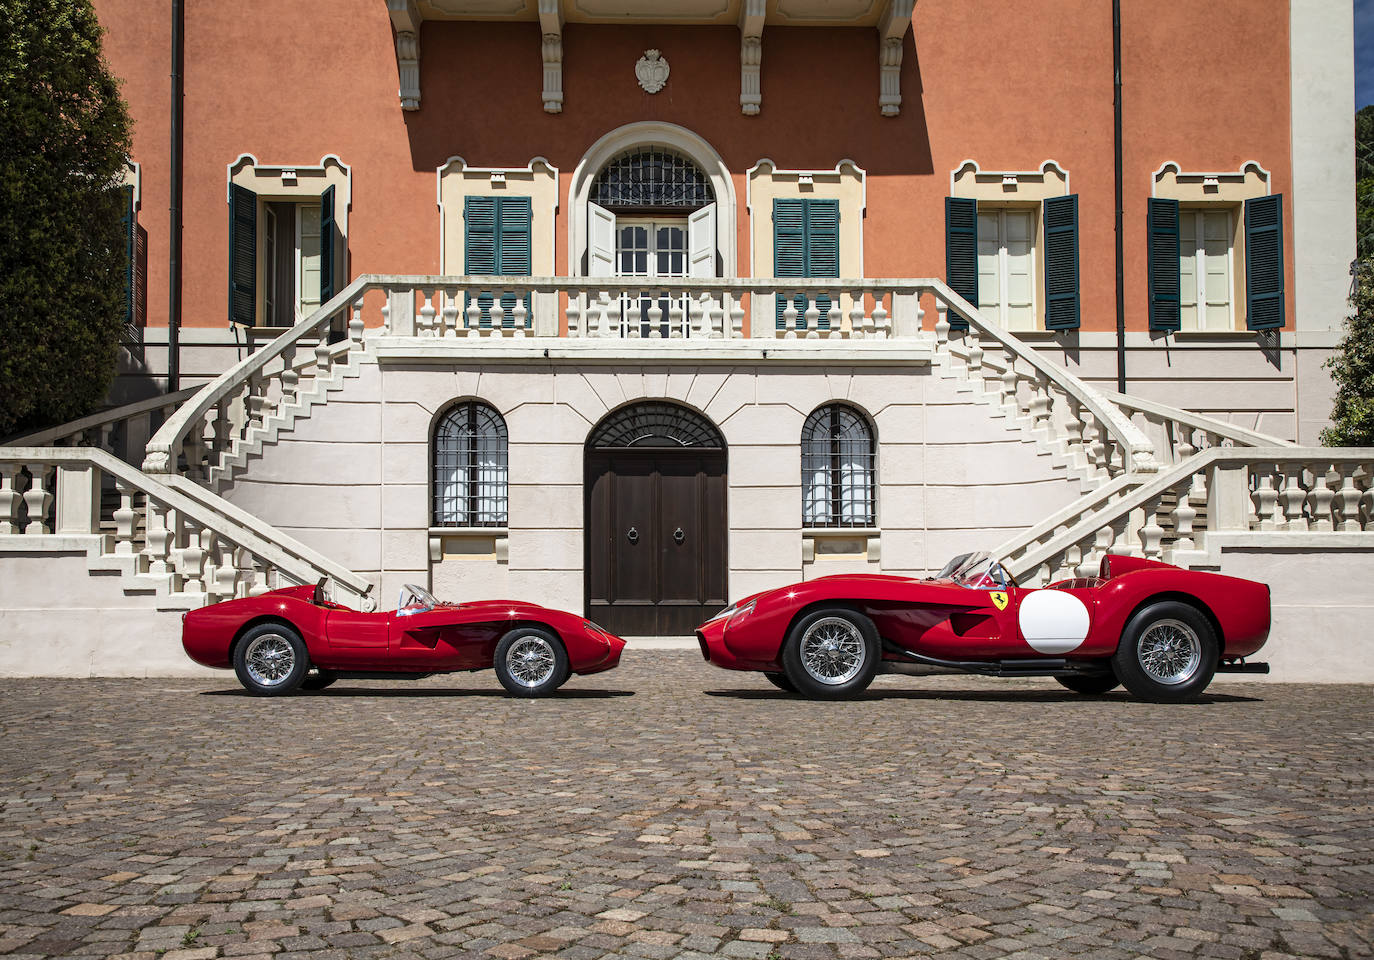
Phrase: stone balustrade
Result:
[175,538]
[1219,490]
[1178,434]
[123,430]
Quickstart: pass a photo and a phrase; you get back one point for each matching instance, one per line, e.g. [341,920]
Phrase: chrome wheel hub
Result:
[270,659]
[832,651]
[530,661]
[1170,652]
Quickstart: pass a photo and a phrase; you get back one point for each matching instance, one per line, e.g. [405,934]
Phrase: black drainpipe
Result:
[1120,255]
[174,254]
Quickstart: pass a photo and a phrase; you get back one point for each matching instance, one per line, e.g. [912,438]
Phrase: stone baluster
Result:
[736,317]
[498,314]
[1319,499]
[941,323]
[1293,497]
[290,379]
[386,313]
[449,315]
[789,317]
[9,497]
[473,313]
[258,402]
[812,319]
[226,572]
[869,323]
[1367,497]
[1183,442]
[1073,557]
[698,327]
[856,315]
[355,325]
[1347,499]
[1040,404]
[1185,513]
[124,517]
[615,313]
[574,313]
[520,314]
[1073,430]
[1151,534]
[654,315]
[222,428]
[38,498]
[882,320]
[424,326]
[674,316]
[714,319]
[974,358]
[834,320]
[1104,538]
[156,535]
[1266,498]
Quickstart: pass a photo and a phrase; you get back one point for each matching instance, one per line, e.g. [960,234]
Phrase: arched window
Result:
[656,424]
[470,475]
[838,479]
[651,178]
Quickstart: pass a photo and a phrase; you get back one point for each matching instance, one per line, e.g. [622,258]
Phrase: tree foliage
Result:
[1352,369]
[64,141]
[1364,183]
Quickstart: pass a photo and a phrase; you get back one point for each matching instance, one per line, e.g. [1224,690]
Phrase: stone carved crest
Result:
[652,71]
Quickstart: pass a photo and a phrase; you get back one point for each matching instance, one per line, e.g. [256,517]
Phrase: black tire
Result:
[271,660]
[855,660]
[1168,653]
[1092,684]
[531,662]
[780,681]
[318,680]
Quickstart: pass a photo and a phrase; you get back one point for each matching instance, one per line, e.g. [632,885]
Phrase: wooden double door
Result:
[656,539]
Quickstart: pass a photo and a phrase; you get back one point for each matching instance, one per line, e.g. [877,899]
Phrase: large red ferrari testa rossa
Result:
[295,638]
[1161,631]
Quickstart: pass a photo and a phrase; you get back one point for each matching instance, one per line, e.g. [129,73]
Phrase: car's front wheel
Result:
[1090,683]
[531,662]
[831,654]
[1168,653]
[271,660]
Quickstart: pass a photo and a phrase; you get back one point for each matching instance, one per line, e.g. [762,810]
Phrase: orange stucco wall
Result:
[1007,85]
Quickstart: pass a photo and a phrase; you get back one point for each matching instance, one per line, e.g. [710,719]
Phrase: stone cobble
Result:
[672,810]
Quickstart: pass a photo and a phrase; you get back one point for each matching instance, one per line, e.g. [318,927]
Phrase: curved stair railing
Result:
[1231,489]
[1184,433]
[123,430]
[165,536]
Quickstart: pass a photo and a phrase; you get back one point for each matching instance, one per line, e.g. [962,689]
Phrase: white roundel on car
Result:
[1053,621]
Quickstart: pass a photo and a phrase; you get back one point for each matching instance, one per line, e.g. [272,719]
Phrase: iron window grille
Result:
[838,469]
[652,178]
[470,468]
[657,425]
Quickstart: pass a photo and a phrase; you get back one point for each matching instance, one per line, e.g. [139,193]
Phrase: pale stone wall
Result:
[352,480]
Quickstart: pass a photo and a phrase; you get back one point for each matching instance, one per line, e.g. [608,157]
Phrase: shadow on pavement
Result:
[390,693]
[986,696]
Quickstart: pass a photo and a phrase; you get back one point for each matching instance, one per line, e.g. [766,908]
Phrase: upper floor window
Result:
[838,469]
[651,179]
[470,467]
[1206,252]
[1006,266]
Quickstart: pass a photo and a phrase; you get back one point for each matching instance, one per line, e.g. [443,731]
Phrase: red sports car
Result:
[296,639]
[1161,631]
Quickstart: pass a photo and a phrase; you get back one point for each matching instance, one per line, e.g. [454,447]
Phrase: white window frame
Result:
[299,256]
[1198,299]
[1003,270]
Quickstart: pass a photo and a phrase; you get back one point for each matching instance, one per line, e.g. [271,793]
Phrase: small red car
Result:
[294,638]
[1161,631]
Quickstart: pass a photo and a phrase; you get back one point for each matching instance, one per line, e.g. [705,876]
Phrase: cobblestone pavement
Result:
[670,809]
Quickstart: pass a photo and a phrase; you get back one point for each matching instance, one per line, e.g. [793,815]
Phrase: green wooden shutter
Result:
[327,228]
[806,243]
[961,253]
[513,257]
[1264,300]
[497,243]
[822,251]
[243,255]
[1161,227]
[129,225]
[1061,263]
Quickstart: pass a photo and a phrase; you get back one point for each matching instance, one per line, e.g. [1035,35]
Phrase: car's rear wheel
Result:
[318,679]
[531,662]
[1090,683]
[271,660]
[831,654]
[780,681]
[1168,653]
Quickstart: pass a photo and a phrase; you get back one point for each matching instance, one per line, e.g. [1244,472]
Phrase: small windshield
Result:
[414,599]
[977,571]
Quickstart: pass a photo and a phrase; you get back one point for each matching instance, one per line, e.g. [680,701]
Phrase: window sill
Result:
[1242,334]
[470,543]
[862,543]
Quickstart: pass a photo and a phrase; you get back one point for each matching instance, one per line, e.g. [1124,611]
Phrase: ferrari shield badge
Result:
[999,599]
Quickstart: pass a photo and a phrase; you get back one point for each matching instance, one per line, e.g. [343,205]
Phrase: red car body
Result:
[943,623]
[445,639]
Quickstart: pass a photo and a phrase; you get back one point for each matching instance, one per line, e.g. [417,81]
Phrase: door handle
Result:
[678,535]
[632,535]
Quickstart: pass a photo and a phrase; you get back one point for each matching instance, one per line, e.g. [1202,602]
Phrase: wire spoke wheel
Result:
[832,651]
[1169,652]
[270,659]
[530,660]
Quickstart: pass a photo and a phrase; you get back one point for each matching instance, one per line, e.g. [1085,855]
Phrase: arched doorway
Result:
[656,523]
